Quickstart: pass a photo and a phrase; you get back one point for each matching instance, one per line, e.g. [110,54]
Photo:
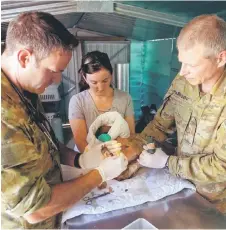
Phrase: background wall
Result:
[153,66]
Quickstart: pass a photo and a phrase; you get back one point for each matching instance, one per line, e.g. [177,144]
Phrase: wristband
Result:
[76,160]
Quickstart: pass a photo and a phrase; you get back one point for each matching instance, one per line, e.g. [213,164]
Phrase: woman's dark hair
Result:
[92,62]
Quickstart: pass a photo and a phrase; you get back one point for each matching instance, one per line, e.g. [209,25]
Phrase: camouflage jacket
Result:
[200,121]
[28,166]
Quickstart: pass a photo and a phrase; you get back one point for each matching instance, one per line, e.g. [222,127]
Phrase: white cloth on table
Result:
[148,185]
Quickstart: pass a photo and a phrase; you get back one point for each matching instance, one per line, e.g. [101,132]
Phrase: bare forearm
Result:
[67,155]
[131,123]
[81,145]
[65,195]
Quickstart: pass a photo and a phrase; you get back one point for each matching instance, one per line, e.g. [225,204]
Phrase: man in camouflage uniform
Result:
[38,48]
[196,104]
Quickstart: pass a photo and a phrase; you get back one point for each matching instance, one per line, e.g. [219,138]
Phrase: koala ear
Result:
[222,59]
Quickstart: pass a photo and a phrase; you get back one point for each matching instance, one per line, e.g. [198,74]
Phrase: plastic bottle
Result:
[56,124]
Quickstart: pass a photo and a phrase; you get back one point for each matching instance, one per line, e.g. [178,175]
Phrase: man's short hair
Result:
[208,30]
[41,32]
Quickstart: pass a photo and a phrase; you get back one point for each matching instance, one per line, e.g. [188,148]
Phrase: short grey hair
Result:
[41,32]
[208,30]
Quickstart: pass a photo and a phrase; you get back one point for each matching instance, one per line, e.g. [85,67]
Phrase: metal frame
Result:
[12,9]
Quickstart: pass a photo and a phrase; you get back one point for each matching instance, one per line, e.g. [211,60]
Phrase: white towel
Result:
[149,185]
[119,127]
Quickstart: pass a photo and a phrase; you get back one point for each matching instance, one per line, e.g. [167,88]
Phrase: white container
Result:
[50,116]
[51,99]
[50,94]
[56,124]
[140,223]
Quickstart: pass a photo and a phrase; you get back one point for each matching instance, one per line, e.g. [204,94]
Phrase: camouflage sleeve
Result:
[23,188]
[202,167]
[164,118]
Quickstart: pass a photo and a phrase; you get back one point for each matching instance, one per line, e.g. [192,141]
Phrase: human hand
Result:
[156,160]
[111,167]
[114,147]
[92,157]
